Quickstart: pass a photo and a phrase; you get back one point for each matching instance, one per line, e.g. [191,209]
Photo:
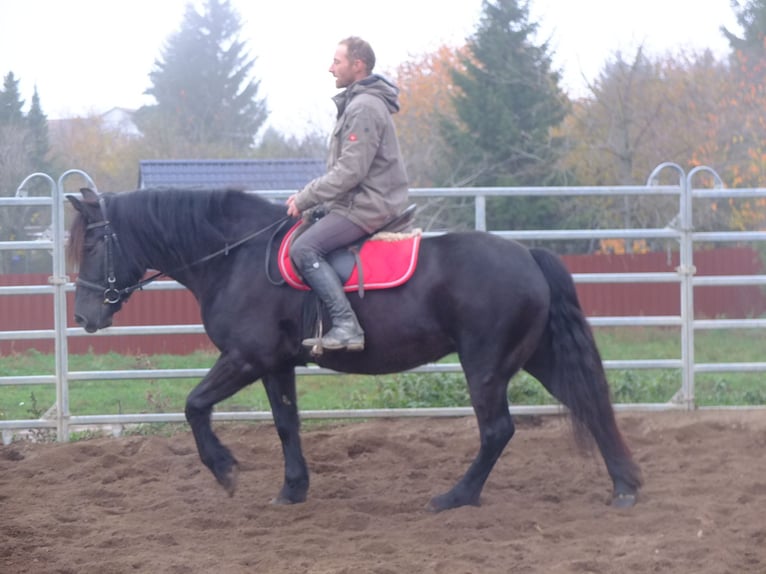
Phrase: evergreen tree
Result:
[23,147]
[205,99]
[752,17]
[508,103]
[14,157]
[11,104]
[38,142]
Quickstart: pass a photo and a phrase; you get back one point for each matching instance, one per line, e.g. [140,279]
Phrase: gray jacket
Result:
[366,179]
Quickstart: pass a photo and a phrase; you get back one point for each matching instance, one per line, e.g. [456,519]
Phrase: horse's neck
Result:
[172,256]
[169,245]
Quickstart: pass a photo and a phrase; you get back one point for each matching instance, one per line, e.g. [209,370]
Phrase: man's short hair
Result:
[358,49]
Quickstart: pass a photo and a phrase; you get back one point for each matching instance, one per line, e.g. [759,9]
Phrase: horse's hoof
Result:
[281,501]
[433,507]
[229,479]
[448,502]
[624,500]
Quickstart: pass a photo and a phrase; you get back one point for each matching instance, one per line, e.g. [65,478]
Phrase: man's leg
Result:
[308,253]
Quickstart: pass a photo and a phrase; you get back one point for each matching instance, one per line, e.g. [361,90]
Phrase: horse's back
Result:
[478,280]
[482,261]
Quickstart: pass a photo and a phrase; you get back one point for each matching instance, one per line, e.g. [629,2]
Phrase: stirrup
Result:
[332,342]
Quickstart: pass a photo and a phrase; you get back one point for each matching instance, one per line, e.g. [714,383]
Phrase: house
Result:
[247,174]
[120,120]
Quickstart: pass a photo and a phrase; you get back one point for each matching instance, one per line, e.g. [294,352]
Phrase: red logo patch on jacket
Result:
[352,137]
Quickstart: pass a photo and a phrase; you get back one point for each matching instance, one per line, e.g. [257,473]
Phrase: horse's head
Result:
[103,271]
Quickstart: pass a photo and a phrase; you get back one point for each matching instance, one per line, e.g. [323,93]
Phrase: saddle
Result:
[382,260]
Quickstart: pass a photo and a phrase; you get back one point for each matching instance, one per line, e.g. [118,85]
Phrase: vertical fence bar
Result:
[688,270]
[480,209]
[683,224]
[59,281]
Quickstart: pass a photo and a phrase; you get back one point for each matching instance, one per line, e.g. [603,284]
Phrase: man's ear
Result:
[360,68]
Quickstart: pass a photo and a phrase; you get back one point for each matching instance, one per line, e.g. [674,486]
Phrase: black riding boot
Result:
[346,332]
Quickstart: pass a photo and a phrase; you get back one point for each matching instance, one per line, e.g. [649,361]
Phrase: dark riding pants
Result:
[322,237]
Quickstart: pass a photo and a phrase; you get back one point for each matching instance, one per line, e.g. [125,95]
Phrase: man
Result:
[365,186]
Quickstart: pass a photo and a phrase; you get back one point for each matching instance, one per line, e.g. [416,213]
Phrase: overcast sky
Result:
[88,56]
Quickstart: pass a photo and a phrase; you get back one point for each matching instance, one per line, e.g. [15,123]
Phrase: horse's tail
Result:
[576,374]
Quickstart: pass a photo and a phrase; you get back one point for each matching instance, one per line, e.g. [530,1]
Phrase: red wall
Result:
[25,312]
[626,299]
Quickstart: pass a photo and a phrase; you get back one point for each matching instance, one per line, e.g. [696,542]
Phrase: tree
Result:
[11,104]
[274,145]
[741,126]
[206,102]
[23,150]
[508,103]
[107,155]
[38,140]
[426,99]
[751,15]
[508,100]
[639,113]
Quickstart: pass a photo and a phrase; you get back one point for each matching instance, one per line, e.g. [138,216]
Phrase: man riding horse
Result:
[365,186]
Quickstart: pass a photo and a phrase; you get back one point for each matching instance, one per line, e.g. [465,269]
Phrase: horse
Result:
[500,306]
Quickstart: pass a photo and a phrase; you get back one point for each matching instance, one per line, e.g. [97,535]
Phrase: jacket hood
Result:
[374,85]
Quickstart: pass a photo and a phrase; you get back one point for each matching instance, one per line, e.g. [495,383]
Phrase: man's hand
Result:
[292,210]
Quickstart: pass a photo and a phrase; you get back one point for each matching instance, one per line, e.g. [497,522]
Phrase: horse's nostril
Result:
[79,319]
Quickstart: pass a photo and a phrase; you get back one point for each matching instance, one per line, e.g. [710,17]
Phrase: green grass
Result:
[390,391]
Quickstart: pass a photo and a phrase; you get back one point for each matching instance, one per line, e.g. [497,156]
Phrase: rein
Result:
[112,295]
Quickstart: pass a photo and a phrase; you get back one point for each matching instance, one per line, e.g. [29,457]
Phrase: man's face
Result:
[345,71]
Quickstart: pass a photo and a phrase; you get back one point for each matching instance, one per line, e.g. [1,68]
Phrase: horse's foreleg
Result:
[280,388]
[496,428]
[229,374]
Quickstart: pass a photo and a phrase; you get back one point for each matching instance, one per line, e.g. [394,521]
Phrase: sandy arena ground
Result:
[147,504]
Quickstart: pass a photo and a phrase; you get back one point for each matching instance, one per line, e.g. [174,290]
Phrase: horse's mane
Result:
[76,240]
[185,223]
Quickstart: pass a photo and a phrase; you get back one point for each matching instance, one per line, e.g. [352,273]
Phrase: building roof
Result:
[247,174]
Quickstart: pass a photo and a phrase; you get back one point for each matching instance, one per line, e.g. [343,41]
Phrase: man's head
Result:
[353,61]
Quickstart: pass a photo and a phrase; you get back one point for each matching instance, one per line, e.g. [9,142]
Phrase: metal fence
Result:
[680,231]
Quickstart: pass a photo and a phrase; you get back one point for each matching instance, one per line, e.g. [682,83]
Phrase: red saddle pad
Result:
[388,260]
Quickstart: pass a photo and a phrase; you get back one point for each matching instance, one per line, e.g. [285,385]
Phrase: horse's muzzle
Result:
[88,326]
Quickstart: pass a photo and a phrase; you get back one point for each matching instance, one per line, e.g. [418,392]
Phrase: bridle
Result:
[113,295]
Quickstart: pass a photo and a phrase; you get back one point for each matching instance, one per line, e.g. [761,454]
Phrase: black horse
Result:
[500,306]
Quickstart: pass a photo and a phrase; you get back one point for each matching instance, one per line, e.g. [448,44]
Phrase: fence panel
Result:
[649,289]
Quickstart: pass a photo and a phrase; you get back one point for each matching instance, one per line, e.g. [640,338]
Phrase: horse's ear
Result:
[88,195]
[76,203]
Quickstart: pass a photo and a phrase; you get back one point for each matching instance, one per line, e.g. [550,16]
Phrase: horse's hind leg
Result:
[490,403]
[280,388]
[229,374]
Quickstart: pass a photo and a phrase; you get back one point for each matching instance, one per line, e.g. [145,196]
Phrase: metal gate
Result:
[682,231]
